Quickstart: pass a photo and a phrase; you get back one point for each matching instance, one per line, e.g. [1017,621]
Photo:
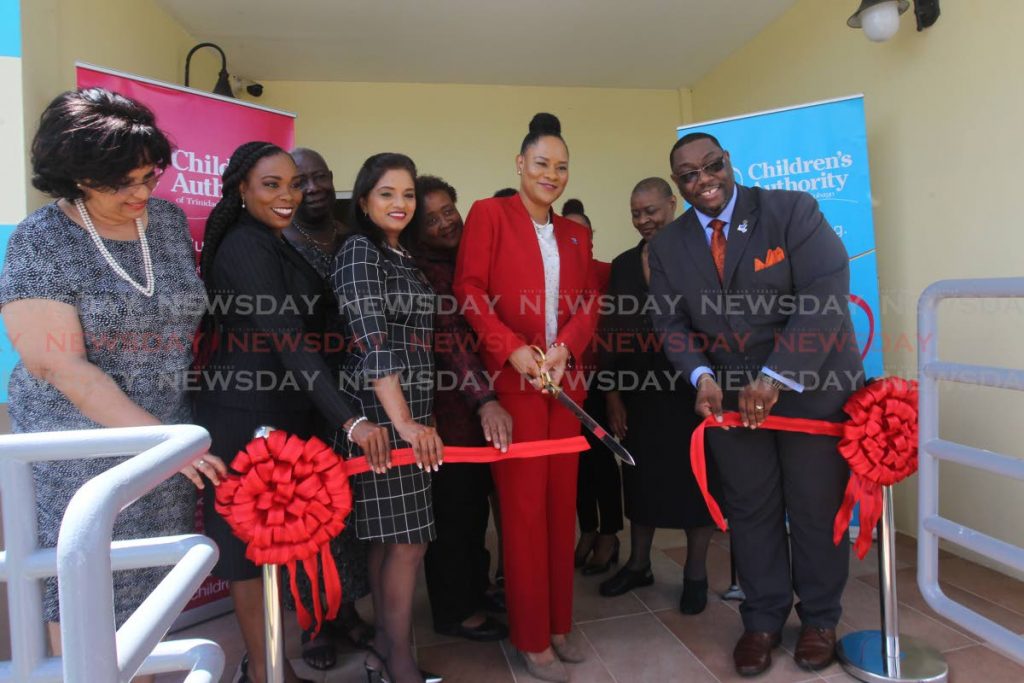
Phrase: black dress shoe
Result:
[695,596]
[625,580]
[494,602]
[490,629]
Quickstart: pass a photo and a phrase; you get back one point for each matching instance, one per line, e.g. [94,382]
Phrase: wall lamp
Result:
[880,19]
[224,79]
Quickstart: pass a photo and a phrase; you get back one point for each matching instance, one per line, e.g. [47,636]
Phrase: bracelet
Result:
[571,363]
[351,427]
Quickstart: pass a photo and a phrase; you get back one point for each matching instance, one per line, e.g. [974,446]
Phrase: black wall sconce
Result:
[223,86]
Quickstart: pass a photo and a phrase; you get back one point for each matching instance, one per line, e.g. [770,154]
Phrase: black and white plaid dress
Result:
[389,312]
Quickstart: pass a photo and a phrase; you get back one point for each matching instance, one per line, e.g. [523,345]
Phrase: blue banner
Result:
[819,148]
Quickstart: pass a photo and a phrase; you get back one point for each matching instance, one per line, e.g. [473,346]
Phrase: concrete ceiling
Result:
[597,43]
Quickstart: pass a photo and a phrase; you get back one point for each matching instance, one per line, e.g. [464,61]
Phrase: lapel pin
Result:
[574,240]
[742,227]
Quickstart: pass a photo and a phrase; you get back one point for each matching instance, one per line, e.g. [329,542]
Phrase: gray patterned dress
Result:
[143,343]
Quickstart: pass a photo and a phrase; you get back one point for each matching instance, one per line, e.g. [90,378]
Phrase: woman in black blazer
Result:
[265,329]
[652,412]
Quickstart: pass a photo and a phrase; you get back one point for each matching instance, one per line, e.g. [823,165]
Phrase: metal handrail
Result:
[85,558]
[931,526]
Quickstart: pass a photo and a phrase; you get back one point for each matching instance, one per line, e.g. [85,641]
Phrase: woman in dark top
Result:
[655,423]
[598,484]
[389,313]
[468,413]
[317,235]
[263,297]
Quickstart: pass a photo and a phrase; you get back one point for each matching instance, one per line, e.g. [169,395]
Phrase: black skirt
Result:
[660,491]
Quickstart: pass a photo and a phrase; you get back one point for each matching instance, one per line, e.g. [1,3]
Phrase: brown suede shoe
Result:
[753,652]
[816,648]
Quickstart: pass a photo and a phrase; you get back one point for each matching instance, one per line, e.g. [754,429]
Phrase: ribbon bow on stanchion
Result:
[288,497]
[879,442]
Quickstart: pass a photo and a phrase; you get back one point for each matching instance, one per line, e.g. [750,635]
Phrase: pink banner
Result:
[204,129]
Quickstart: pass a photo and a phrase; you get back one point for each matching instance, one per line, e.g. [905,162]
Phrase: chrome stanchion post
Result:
[887,587]
[273,628]
[886,656]
[733,592]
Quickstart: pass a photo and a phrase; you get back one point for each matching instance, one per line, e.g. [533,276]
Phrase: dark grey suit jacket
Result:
[791,316]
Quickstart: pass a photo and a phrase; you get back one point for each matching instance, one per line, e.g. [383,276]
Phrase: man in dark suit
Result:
[752,288]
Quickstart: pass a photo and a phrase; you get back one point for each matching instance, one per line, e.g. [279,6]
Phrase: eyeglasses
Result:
[128,188]
[709,168]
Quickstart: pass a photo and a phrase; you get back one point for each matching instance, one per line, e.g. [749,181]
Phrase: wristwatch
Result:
[771,381]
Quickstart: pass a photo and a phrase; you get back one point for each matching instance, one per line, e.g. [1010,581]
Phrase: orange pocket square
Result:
[773,257]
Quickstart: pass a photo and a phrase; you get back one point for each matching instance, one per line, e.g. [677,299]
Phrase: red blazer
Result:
[499,282]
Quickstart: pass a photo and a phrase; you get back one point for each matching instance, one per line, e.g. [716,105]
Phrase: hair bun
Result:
[545,124]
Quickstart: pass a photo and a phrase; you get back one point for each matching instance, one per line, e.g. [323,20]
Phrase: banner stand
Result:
[886,656]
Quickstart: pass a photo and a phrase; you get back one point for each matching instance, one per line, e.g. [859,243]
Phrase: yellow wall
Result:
[943,119]
[131,35]
[470,135]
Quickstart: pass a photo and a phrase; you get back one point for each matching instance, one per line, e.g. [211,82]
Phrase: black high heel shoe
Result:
[625,580]
[695,596]
[591,568]
[373,674]
[584,547]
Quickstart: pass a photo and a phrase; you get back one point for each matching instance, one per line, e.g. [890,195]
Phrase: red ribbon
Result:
[288,497]
[879,442]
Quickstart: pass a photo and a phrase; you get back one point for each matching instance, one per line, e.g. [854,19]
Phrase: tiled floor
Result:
[641,637]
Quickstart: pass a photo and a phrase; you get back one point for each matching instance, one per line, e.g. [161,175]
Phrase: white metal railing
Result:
[930,525]
[85,558]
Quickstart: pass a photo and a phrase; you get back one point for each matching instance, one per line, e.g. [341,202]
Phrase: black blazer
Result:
[790,314]
[270,310]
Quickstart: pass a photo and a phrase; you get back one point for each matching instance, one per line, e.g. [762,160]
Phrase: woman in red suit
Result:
[523,276]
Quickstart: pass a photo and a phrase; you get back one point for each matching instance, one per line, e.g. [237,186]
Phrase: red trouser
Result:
[538,519]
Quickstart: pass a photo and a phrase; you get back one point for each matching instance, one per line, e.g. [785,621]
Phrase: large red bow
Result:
[291,496]
[879,442]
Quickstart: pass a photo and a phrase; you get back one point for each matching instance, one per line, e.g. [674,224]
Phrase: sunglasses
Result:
[709,168]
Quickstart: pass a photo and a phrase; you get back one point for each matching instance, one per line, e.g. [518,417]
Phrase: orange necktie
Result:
[718,247]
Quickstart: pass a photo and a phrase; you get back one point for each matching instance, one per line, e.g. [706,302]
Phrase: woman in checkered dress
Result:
[389,311]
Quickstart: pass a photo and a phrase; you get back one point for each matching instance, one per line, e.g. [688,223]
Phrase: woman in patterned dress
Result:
[389,311]
[100,298]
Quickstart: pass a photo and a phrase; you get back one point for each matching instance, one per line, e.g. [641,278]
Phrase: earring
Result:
[243,202]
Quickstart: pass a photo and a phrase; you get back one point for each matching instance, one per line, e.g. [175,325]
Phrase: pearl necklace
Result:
[147,261]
